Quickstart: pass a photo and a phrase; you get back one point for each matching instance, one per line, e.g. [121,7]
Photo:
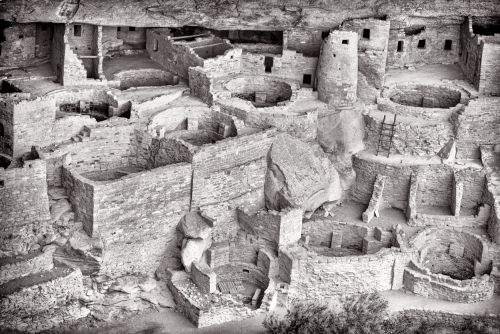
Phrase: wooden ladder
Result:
[386,135]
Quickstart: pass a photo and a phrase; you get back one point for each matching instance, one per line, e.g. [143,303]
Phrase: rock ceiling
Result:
[236,14]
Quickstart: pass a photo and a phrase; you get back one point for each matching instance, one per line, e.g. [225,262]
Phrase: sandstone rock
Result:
[193,251]
[148,285]
[300,175]
[57,193]
[133,283]
[67,217]
[59,208]
[80,240]
[66,159]
[449,151]
[74,258]
[193,226]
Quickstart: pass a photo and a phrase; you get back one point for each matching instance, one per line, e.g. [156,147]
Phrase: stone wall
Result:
[402,31]
[106,145]
[81,45]
[372,48]
[175,57]
[19,46]
[477,125]
[434,189]
[338,63]
[321,232]
[471,52]
[490,71]
[422,282]
[136,215]
[305,41]
[230,168]
[312,276]
[410,138]
[42,262]
[290,64]
[30,300]
[23,195]
[449,318]
[200,84]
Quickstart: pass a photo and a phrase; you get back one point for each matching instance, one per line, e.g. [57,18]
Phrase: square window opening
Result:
[345,41]
[21,36]
[366,33]
[77,30]
[246,271]
[400,46]
[447,44]
[307,79]
[334,55]
[131,28]
[421,44]
[118,28]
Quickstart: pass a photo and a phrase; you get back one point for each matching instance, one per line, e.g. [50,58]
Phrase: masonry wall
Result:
[44,33]
[137,215]
[433,52]
[435,190]
[352,234]
[58,48]
[230,168]
[471,52]
[105,146]
[19,46]
[176,58]
[479,124]
[448,318]
[135,38]
[304,41]
[290,64]
[490,71]
[372,51]
[337,69]
[81,45]
[81,195]
[421,282]
[200,84]
[7,125]
[23,194]
[422,138]
[317,277]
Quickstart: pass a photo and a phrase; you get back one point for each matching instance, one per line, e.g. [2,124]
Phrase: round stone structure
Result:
[260,90]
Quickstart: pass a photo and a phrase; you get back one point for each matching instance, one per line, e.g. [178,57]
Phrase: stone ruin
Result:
[229,170]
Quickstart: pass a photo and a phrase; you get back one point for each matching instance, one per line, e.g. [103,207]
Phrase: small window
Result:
[268,64]
[334,55]
[400,46]
[155,45]
[246,271]
[21,36]
[77,30]
[447,44]
[345,41]
[307,79]
[2,183]
[366,33]
[118,28]
[421,44]
[131,28]
[44,28]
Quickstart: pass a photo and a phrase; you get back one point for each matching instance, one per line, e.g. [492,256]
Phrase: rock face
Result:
[300,176]
[193,225]
[193,251]
[232,14]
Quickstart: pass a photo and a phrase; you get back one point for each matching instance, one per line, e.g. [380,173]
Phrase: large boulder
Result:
[193,250]
[59,208]
[193,226]
[300,175]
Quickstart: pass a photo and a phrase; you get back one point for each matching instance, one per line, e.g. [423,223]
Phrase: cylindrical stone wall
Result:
[337,73]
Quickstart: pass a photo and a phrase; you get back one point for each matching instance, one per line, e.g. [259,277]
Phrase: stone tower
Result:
[337,71]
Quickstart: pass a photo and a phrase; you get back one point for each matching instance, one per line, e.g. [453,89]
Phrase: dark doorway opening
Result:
[307,80]
[268,63]
[400,46]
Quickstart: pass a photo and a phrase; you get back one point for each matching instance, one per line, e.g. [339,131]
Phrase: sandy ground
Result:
[428,74]
[129,62]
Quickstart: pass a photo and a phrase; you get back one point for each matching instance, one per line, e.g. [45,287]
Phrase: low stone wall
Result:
[143,77]
[321,232]
[318,277]
[42,262]
[243,271]
[436,190]
[205,309]
[30,300]
[422,282]
[204,278]
[479,220]
[448,318]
